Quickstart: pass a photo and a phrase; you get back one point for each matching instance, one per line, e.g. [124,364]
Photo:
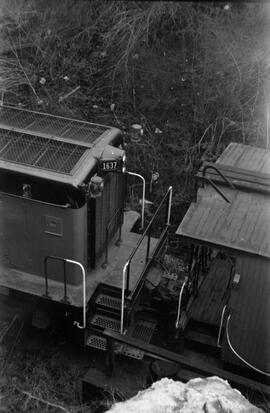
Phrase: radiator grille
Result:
[39,152]
[50,124]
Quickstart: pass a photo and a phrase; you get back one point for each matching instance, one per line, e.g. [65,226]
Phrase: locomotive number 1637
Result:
[109,166]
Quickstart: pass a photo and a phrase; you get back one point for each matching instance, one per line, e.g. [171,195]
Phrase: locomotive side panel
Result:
[33,230]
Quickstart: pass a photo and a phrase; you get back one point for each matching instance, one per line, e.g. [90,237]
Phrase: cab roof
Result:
[51,147]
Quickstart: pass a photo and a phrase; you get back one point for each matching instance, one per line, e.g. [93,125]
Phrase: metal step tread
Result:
[96,341]
[100,343]
[108,301]
[143,330]
[103,321]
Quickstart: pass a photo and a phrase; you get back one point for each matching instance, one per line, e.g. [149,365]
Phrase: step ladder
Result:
[106,308]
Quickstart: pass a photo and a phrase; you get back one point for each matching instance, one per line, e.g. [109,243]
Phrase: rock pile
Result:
[210,395]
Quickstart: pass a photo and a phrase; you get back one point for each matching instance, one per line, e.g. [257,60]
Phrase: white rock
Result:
[211,395]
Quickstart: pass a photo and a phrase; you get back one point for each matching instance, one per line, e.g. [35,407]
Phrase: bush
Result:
[193,74]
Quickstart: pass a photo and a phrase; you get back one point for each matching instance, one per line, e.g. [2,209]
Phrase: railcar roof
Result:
[246,157]
[249,305]
[243,224]
[51,147]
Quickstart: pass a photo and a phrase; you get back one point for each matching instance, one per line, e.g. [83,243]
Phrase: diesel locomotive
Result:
[67,247]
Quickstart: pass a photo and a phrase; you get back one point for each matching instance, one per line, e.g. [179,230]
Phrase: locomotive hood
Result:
[55,148]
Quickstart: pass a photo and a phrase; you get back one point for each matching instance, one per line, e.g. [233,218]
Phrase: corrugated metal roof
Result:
[243,224]
[39,152]
[44,124]
[249,326]
[51,147]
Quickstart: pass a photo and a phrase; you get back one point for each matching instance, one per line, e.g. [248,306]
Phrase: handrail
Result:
[238,355]
[220,325]
[169,205]
[179,304]
[132,296]
[119,212]
[217,189]
[143,197]
[76,323]
[210,166]
[123,297]
[126,268]
[65,299]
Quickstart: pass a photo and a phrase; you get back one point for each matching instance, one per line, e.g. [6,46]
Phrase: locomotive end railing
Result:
[126,268]
[118,215]
[143,194]
[65,299]
[221,325]
[180,302]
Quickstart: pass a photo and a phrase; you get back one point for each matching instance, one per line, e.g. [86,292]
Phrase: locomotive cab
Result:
[49,208]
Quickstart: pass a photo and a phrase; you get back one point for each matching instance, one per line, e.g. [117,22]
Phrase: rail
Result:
[179,304]
[143,195]
[139,285]
[126,268]
[214,185]
[184,361]
[221,325]
[117,215]
[65,298]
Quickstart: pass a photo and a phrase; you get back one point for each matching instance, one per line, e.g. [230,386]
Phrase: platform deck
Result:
[213,293]
[111,275]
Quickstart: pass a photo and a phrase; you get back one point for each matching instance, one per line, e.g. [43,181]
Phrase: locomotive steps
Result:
[106,314]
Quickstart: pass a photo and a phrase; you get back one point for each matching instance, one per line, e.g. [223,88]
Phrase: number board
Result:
[111,166]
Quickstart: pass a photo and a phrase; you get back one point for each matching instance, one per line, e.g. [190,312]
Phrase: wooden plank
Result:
[241,184]
[246,157]
[239,173]
[186,362]
[226,154]
[207,307]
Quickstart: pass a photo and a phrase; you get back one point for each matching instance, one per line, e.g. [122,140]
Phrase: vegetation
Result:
[194,75]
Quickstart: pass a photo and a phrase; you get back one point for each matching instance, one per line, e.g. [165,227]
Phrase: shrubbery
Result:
[193,74]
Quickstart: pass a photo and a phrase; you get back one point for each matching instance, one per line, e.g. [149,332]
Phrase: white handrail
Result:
[238,355]
[123,297]
[179,303]
[131,256]
[143,197]
[220,325]
[170,205]
[76,323]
